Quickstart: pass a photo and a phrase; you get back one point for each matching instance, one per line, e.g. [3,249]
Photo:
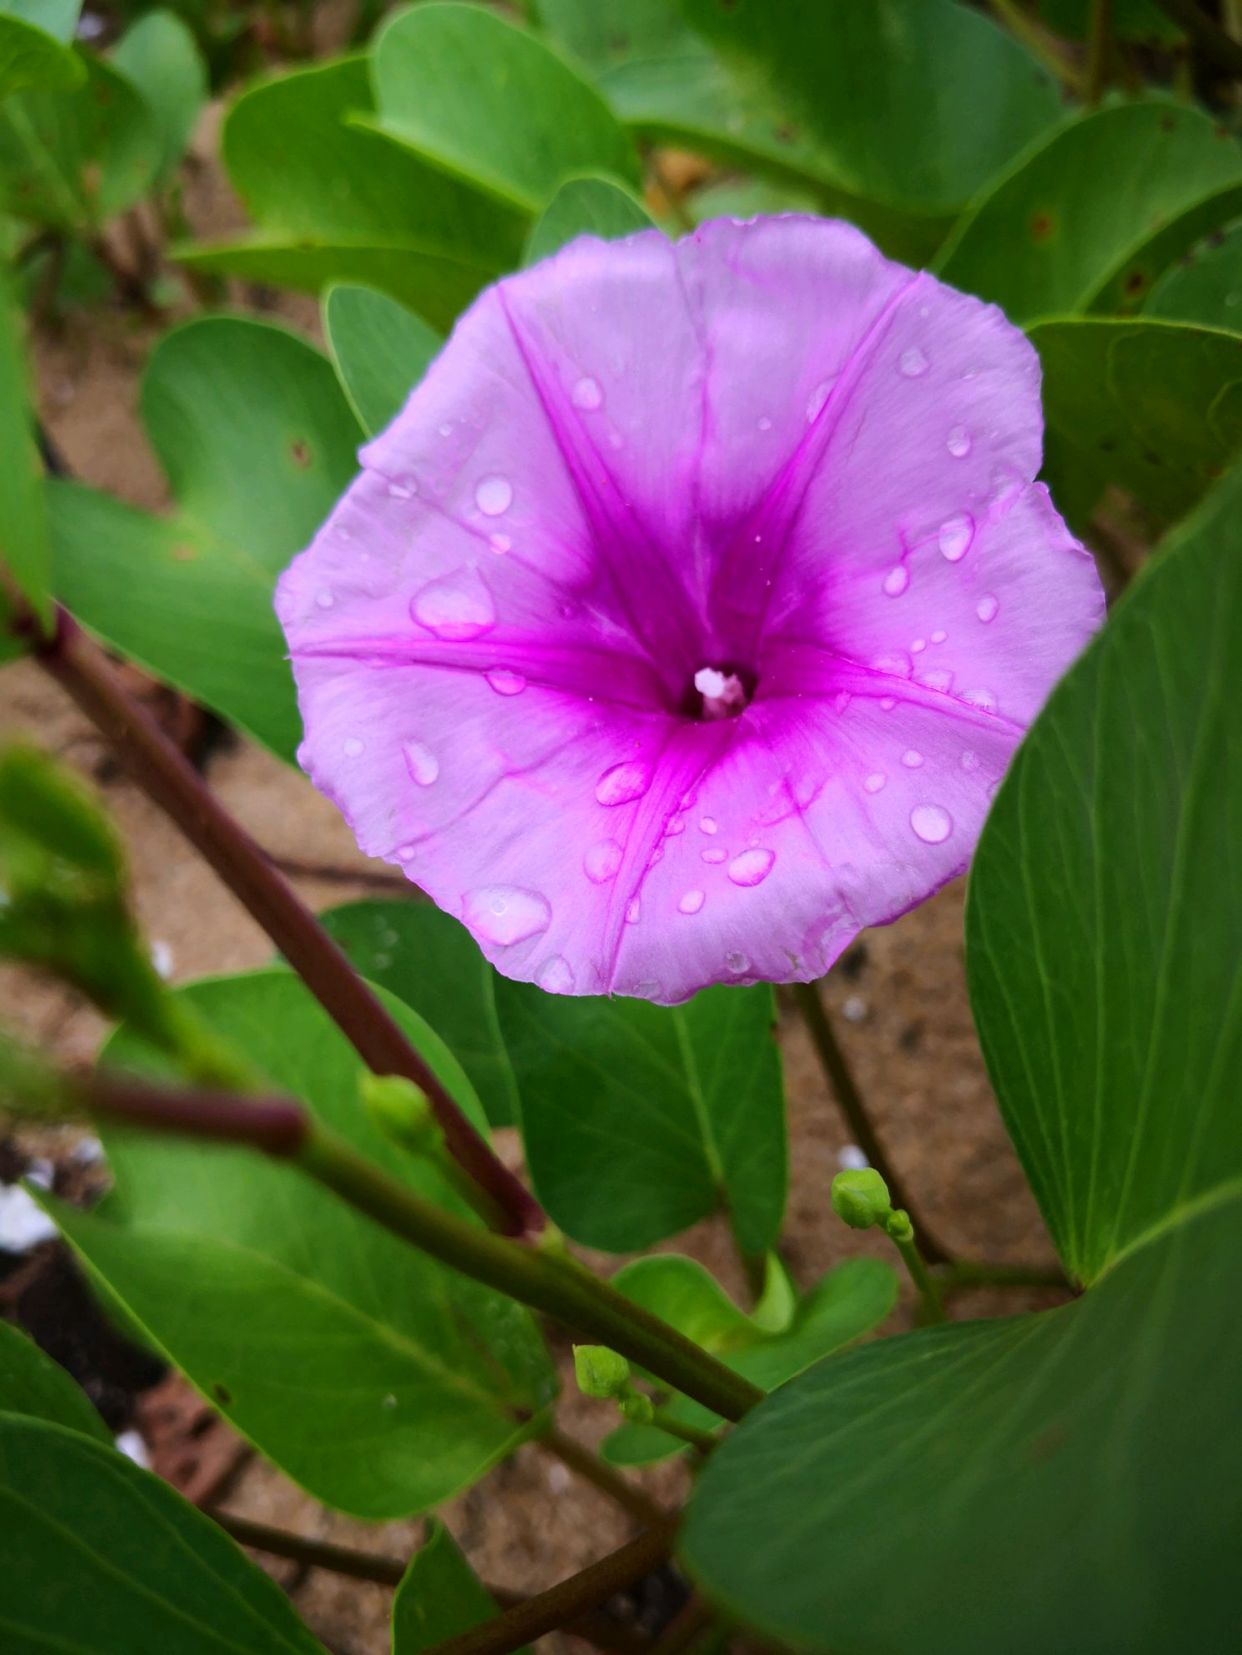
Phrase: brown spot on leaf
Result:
[1042,226]
[184,552]
[300,450]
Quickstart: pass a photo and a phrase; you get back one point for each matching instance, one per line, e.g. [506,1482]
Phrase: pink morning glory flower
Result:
[685,619]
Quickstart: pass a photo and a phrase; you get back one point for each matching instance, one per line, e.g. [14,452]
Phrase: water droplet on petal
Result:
[633,913]
[987,607]
[970,760]
[506,914]
[352,746]
[709,824]
[674,826]
[494,496]
[912,758]
[896,580]
[691,902]
[402,491]
[505,682]
[446,430]
[939,635]
[764,423]
[737,963]
[715,853]
[324,598]
[918,646]
[500,543]
[816,401]
[421,762]
[587,393]
[958,443]
[887,703]
[931,823]
[556,976]
[404,853]
[941,679]
[752,867]
[456,607]
[913,363]
[623,782]
[875,781]
[956,534]
[899,665]
[602,861]
[983,699]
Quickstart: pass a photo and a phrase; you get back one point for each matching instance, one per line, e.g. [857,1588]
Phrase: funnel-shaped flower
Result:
[685,619]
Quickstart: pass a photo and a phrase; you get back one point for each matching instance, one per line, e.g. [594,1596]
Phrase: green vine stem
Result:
[563,1602]
[171,781]
[845,1090]
[542,1278]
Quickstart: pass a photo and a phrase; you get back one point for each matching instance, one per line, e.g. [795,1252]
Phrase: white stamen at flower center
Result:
[724,694]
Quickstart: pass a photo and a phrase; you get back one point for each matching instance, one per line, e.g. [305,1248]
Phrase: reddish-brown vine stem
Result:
[171,781]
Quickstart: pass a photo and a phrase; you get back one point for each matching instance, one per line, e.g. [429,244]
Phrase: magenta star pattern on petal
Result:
[687,616]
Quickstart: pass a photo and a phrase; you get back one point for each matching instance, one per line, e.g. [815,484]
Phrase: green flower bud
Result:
[898,1227]
[637,1408]
[402,1112]
[861,1198]
[600,1372]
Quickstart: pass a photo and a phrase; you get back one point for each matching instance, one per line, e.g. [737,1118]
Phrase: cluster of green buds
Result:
[602,1374]
[860,1197]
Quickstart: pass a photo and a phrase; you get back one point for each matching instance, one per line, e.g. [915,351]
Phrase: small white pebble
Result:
[23,1223]
[851,1159]
[162,959]
[134,1448]
[854,1008]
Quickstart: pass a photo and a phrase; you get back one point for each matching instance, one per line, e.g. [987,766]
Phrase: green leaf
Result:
[1131,19]
[334,202]
[381,351]
[1153,407]
[1206,286]
[439,1597]
[612,31]
[1091,215]
[585,207]
[492,105]
[1062,1481]
[33,1385]
[33,54]
[258,442]
[911,102]
[101,1558]
[843,1305]
[69,160]
[639,1119]
[432,964]
[1106,906]
[25,550]
[161,58]
[376,1378]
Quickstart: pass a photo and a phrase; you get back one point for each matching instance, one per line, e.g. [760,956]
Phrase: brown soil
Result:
[898,1001]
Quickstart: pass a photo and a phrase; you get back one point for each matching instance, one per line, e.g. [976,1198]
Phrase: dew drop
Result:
[752,867]
[887,703]
[556,976]
[500,543]
[633,913]
[913,363]
[405,853]
[987,607]
[736,962]
[446,430]
[939,679]
[505,682]
[715,853]
[623,782]
[918,646]
[931,823]
[970,760]
[912,758]
[709,824]
[875,781]
[602,861]
[958,443]
[324,598]
[764,423]
[352,746]
[494,496]
[421,762]
[939,635]
[674,826]
[691,902]
[816,401]
[983,699]
[896,664]
[401,491]
[896,580]
[587,393]
[506,914]
[456,607]
[956,534]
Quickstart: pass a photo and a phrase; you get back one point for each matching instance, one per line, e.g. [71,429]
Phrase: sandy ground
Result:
[898,1001]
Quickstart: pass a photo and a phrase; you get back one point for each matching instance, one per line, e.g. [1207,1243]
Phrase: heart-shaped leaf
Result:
[585,207]
[161,58]
[381,351]
[410,1380]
